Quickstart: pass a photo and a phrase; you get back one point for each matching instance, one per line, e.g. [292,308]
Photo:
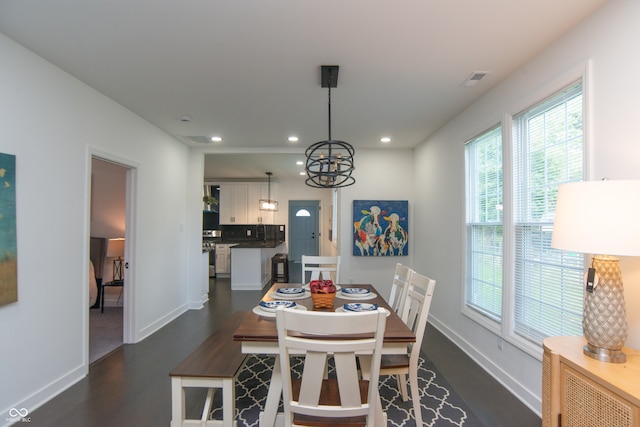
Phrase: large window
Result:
[484,223]
[542,287]
[548,151]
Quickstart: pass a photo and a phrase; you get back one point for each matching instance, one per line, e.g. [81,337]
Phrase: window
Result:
[484,224]
[548,151]
[538,290]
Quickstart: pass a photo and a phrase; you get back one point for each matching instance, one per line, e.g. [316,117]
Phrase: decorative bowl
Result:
[357,306]
[273,305]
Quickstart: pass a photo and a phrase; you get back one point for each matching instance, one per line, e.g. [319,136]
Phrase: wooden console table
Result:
[579,391]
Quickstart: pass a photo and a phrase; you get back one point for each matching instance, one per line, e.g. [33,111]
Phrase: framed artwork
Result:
[8,241]
[380,227]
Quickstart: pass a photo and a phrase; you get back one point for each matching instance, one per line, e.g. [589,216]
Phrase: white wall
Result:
[608,38]
[53,124]
[384,174]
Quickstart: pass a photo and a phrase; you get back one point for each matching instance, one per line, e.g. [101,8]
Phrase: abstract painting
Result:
[8,241]
[380,227]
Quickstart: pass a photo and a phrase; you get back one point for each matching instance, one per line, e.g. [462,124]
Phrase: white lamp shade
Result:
[598,217]
[115,248]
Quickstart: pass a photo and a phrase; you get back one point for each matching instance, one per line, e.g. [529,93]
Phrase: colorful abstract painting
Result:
[8,241]
[380,227]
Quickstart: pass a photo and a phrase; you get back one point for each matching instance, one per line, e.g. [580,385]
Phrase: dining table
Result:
[258,335]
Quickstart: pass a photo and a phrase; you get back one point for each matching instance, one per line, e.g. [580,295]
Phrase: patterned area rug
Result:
[441,405]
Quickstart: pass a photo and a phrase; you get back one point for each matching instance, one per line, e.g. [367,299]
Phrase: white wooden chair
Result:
[399,286]
[321,267]
[414,313]
[314,400]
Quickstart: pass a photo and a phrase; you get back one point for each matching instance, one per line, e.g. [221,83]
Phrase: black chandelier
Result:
[330,162]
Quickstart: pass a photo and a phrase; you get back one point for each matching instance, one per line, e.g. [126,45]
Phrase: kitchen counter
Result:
[251,264]
[251,244]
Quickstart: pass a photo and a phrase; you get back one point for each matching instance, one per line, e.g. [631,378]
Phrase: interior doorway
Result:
[109,303]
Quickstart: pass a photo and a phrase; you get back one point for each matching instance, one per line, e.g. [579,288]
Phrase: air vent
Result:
[474,78]
[196,139]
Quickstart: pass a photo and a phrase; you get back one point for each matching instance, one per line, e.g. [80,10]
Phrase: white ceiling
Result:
[249,70]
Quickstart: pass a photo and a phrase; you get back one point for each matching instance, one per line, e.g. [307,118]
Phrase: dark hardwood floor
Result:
[131,386]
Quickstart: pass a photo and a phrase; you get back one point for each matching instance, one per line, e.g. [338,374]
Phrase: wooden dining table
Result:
[258,335]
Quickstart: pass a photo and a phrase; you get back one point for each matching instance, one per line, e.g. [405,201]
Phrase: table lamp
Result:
[601,218]
[115,249]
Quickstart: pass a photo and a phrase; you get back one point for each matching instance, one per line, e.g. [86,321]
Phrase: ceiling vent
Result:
[196,139]
[474,78]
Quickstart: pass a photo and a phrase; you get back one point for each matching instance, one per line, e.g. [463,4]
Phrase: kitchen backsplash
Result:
[252,232]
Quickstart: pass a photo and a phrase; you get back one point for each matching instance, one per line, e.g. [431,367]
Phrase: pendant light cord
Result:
[329,105]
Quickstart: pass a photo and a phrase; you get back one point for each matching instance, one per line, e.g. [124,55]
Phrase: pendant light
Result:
[330,163]
[268,204]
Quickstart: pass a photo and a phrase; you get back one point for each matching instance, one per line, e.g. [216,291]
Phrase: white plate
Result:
[275,295]
[356,297]
[260,312]
[342,310]
[306,287]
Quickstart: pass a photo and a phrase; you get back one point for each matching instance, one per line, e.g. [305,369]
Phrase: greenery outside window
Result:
[484,182]
[548,151]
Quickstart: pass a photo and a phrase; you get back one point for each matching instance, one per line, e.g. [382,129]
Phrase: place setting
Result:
[268,308]
[358,307]
[293,293]
[359,294]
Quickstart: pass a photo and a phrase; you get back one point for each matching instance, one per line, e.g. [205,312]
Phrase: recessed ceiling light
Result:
[303,173]
[216,138]
[385,139]
[299,163]
[293,139]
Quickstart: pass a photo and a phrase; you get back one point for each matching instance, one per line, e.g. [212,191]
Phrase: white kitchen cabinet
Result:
[239,203]
[223,259]
[233,204]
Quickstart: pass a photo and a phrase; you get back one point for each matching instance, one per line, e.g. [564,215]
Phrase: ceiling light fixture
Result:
[293,139]
[268,204]
[330,162]
[385,140]
[216,138]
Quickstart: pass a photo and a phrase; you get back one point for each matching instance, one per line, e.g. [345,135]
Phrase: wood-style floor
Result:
[131,386]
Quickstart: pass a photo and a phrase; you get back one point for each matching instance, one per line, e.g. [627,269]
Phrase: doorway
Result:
[109,218]
[304,238]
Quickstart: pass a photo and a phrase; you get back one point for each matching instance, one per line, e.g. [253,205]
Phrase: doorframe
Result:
[129,304]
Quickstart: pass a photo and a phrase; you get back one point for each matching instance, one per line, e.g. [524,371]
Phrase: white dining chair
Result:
[414,313]
[399,286]
[313,399]
[321,267]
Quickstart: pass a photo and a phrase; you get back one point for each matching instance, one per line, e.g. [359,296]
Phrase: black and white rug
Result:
[441,405]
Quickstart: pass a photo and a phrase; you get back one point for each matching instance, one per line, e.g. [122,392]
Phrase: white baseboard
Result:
[43,395]
[529,399]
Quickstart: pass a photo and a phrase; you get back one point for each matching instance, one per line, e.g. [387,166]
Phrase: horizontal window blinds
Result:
[483,291]
[548,151]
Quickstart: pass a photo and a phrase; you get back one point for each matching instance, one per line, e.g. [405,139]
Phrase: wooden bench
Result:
[214,364]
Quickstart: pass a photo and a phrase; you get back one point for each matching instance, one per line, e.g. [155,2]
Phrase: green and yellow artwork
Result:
[8,240]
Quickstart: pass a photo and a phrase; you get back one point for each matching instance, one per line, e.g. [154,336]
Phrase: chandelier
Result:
[330,162]
[268,204]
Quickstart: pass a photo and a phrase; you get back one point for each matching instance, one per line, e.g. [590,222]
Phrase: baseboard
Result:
[44,394]
[523,394]
[163,321]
